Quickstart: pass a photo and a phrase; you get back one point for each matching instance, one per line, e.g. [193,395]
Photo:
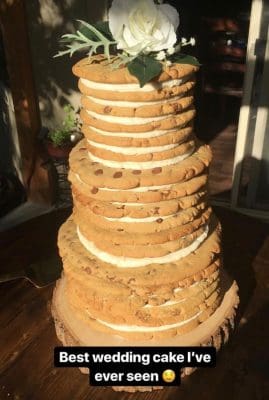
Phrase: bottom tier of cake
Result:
[214,331]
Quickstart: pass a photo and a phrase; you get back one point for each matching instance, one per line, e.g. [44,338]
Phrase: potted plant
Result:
[61,140]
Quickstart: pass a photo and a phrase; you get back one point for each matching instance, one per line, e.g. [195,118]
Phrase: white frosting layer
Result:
[132,150]
[130,204]
[141,164]
[138,328]
[133,87]
[128,262]
[137,189]
[126,120]
[147,219]
[167,303]
[180,289]
[142,135]
[130,104]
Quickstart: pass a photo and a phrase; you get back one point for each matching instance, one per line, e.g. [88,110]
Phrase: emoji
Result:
[169,375]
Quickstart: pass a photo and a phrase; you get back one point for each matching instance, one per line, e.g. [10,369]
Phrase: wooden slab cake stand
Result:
[215,331]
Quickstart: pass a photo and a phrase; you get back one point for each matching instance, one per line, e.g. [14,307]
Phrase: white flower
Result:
[142,25]
[171,51]
[229,42]
[185,42]
[161,55]
[168,63]
[192,41]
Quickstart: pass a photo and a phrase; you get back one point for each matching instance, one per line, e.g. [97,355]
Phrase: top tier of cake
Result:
[136,128]
[145,132]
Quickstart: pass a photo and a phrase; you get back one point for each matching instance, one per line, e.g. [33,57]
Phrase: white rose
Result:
[143,26]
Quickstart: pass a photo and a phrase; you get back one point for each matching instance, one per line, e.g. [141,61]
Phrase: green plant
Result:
[61,136]
[89,36]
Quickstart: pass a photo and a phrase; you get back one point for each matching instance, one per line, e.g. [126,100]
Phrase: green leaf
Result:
[145,68]
[181,58]
[103,27]
[88,36]
[87,32]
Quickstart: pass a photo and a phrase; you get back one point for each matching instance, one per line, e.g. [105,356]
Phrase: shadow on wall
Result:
[48,20]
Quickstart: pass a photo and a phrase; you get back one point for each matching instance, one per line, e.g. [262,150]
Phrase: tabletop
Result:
[27,334]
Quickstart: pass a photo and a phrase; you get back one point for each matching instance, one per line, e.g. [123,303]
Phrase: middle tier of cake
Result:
[116,210]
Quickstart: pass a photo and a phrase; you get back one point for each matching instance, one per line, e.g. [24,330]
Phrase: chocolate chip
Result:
[98,172]
[107,109]
[136,172]
[82,149]
[159,220]
[94,163]
[117,174]
[120,230]
[157,170]
[94,190]
[177,107]
[88,270]
[156,210]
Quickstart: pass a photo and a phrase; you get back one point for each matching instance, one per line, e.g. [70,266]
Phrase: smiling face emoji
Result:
[168,375]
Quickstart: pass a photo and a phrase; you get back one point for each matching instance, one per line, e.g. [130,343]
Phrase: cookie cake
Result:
[142,260]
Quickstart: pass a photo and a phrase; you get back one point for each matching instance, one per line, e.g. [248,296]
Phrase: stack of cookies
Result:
[141,251]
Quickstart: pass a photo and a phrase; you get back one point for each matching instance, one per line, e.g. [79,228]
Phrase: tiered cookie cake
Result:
[141,251]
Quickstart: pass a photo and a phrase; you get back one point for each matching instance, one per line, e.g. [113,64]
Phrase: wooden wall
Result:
[40,84]
[13,25]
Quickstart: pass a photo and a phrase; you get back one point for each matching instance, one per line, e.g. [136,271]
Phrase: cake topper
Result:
[139,34]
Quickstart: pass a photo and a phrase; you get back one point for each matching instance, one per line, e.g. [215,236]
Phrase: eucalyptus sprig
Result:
[89,36]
